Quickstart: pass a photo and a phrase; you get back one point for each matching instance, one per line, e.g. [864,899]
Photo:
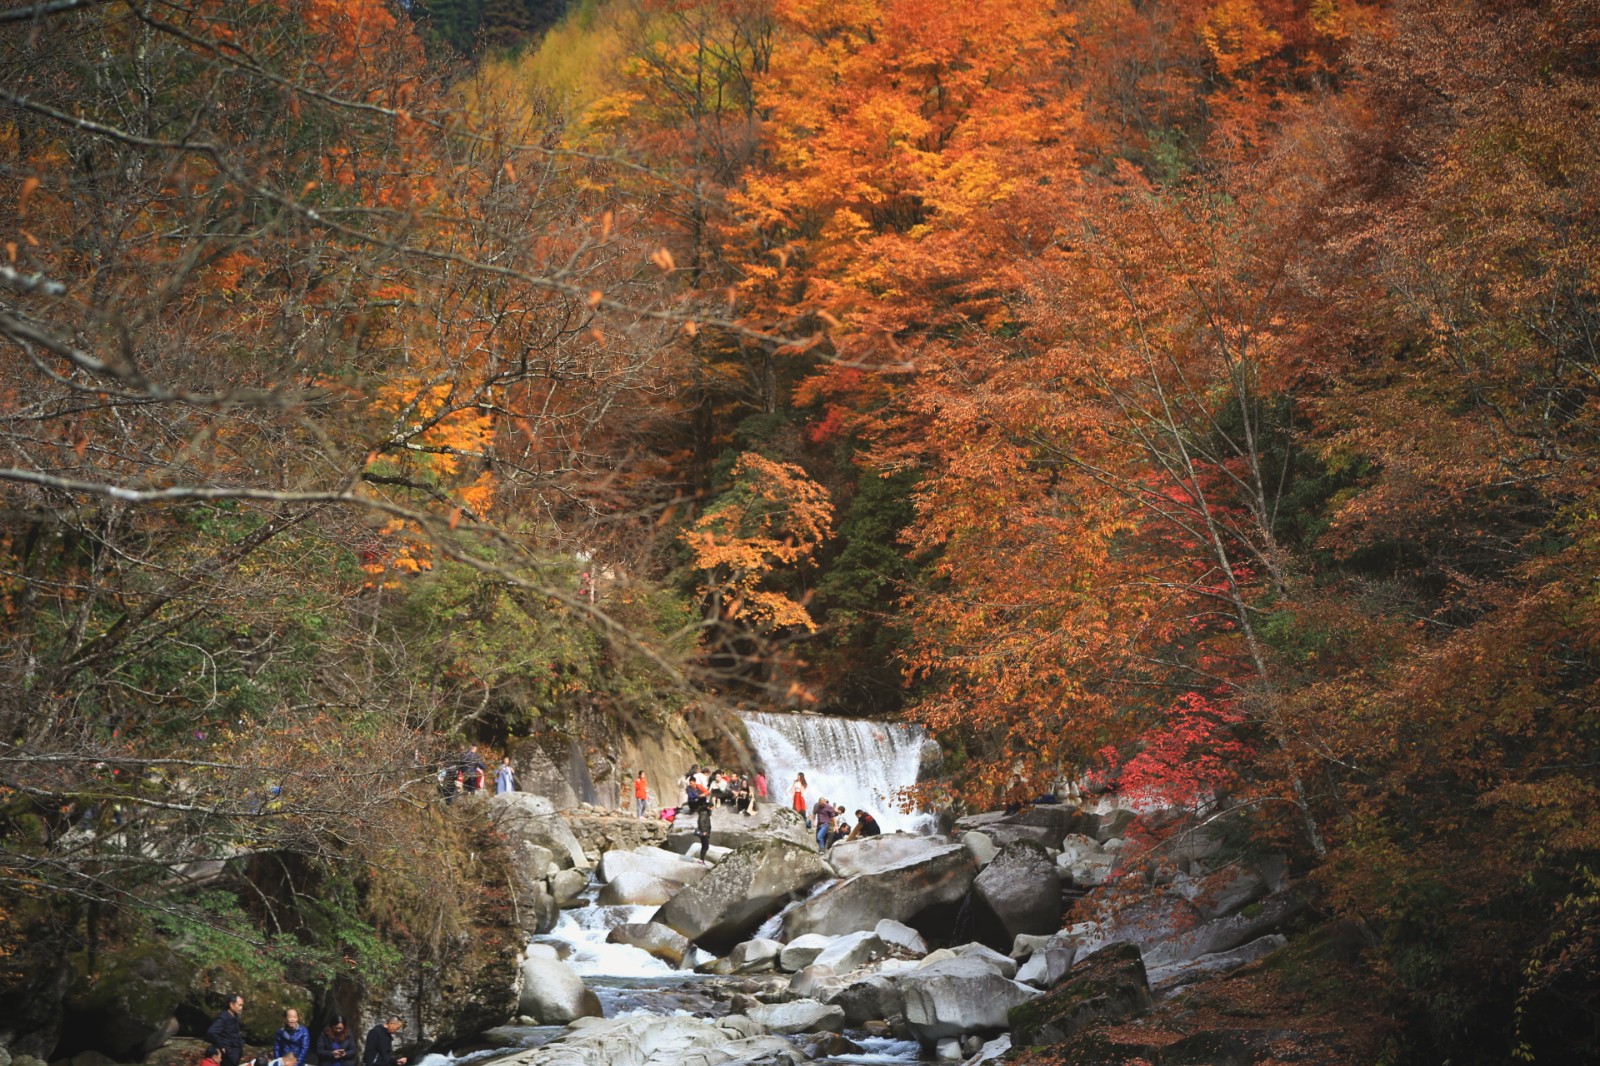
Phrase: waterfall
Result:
[852,762]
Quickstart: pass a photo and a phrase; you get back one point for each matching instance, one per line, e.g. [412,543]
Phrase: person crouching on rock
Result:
[702,826]
[866,826]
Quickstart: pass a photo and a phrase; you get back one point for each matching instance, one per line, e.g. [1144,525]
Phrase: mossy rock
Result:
[1108,985]
[125,1007]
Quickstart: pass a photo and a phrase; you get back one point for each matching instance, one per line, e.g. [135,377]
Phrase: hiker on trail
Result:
[641,795]
[823,812]
[866,826]
[293,1039]
[798,789]
[380,1044]
[505,779]
[224,1031]
[702,828]
[337,1044]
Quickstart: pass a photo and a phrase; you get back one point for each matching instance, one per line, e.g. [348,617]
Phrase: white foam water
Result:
[852,762]
[584,930]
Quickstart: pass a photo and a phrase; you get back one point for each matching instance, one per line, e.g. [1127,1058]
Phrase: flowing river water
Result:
[855,763]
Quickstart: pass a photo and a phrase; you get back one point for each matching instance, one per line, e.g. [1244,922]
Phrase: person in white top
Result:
[800,804]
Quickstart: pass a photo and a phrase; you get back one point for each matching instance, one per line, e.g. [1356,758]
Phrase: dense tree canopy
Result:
[1200,394]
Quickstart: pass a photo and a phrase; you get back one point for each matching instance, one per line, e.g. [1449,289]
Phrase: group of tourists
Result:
[468,774]
[828,819]
[292,1046]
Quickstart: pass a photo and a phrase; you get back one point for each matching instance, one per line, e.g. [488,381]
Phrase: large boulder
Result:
[901,937]
[802,951]
[1218,962]
[931,877]
[798,1016]
[554,994]
[1224,934]
[568,888]
[1108,986]
[872,854]
[1047,968]
[754,956]
[815,982]
[125,1007]
[957,996]
[1044,825]
[665,944]
[869,998]
[741,892]
[522,816]
[634,888]
[659,863]
[851,952]
[661,1040]
[1019,892]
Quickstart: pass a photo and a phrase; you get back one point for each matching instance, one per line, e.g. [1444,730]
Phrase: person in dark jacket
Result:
[292,1038]
[866,826]
[337,1044]
[224,1032]
[380,1044]
[702,827]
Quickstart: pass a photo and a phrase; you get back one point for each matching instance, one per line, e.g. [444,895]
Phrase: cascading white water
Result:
[853,762]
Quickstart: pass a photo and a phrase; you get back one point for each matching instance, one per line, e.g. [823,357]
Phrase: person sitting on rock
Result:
[866,826]
[741,794]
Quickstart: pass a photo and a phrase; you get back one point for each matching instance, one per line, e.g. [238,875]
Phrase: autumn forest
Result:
[1198,396]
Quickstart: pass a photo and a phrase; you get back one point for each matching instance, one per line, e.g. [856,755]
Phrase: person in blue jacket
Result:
[293,1038]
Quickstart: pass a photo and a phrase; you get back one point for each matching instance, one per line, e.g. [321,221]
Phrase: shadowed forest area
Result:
[1200,395]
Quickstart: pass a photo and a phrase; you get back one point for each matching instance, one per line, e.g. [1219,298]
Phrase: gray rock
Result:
[957,996]
[656,862]
[931,877]
[1218,962]
[1223,934]
[1027,943]
[523,816]
[990,1051]
[635,888]
[948,1050]
[754,956]
[901,937]
[1046,968]
[851,952]
[874,854]
[802,951]
[798,1016]
[1019,892]
[661,1040]
[1004,965]
[815,982]
[553,993]
[666,944]
[568,887]
[868,999]
[981,846]
[746,888]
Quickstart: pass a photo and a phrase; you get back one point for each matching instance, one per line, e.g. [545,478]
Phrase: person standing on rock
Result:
[380,1044]
[824,814]
[799,791]
[641,795]
[224,1032]
[761,785]
[337,1044]
[702,826]
[505,779]
[293,1039]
